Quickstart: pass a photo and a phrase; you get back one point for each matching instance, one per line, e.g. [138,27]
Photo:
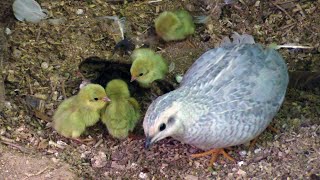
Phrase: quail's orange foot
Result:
[214,155]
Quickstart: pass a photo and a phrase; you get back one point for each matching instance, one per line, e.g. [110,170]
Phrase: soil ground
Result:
[41,69]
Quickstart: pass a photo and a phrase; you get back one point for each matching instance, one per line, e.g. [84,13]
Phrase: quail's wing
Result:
[202,63]
[244,72]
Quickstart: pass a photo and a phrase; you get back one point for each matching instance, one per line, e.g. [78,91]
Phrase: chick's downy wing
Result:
[67,120]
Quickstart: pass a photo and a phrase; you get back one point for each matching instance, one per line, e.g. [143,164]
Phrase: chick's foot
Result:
[214,155]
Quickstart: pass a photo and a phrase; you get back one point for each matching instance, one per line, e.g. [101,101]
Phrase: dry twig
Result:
[9,142]
[283,10]
[36,174]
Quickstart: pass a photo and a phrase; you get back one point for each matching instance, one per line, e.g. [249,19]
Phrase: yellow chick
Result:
[147,66]
[123,112]
[174,25]
[80,111]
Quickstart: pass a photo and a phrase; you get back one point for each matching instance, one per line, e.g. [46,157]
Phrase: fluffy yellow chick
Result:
[123,112]
[174,25]
[80,111]
[147,66]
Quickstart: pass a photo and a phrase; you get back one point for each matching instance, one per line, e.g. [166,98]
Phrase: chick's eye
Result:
[141,74]
[96,99]
[162,127]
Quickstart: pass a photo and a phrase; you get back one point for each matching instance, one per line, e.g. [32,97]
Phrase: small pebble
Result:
[115,165]
[134,165]
[234,169]
[243,153]
[99,160]
[179,78]
[44,65]
[191,177]
[40,96]
[143,175]
[106,174]
[11,77]
[241,172]
[79,11]
[36,83]
[62,143]
[55,160]
[256,151]
[190,7]
[8,105]
[2,131]
[257,3]
[83,156]
[8,31]
[240,163]
[55,95]
[16,53]
[214,173]
[57,21]
[48,176]
[172,67]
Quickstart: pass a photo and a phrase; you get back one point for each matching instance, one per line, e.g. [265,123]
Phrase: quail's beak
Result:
[148,142]
[106,99]
[133,78]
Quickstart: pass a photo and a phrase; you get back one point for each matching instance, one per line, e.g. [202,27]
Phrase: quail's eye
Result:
[162,127]
[85,72]
[141,74]
[96,99]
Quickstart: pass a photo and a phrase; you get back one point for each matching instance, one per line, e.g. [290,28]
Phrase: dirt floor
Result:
[41,70]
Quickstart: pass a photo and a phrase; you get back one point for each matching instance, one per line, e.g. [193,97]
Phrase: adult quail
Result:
[228,97]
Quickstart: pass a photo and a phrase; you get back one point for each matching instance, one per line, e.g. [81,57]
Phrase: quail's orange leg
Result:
[214,155]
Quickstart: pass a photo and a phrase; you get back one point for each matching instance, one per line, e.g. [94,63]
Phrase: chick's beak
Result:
[106,99]
[133,78]
[148,142]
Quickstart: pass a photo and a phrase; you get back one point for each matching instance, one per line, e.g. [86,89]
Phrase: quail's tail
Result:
[237,39]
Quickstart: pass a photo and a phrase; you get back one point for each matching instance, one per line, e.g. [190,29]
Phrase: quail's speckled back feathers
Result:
[227,98]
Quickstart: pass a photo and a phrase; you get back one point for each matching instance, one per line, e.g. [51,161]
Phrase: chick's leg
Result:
[214,155]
